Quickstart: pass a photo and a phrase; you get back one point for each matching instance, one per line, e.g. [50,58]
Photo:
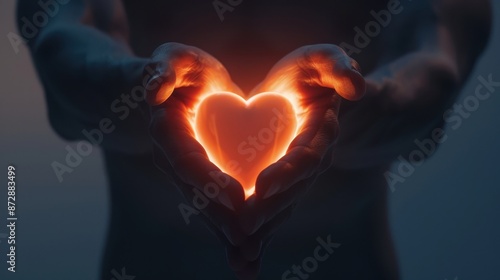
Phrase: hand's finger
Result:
[223,224]
[251,249]
[329,66]
[221,221]
[161,162]
[234,259]
[250,271]
[176,65]
[203,198]
[306,151]
[173,65]
[173,134]
[160,86]
[256,243]
[233,256]
[267,231]
[254,246]
[263,211]
[239,257]
[250,254]
[253,217]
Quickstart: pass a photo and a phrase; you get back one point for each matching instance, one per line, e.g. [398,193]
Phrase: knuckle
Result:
[306,156]
[324,52]
[312,157]
[332,129]
[171,47]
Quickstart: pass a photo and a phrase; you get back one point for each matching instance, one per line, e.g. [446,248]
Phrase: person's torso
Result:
[248,38]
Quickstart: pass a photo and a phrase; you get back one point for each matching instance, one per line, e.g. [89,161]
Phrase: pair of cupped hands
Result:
[322,74]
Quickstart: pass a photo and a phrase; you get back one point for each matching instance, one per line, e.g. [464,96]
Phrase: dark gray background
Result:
[444,217]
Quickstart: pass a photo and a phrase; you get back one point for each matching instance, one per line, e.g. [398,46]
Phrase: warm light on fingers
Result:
[243,137]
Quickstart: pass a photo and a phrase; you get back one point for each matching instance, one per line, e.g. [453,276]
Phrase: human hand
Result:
[404,101]
[182,75]
[318,76]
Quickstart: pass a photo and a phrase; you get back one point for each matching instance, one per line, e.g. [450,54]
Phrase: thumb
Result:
[329,66]
[160,86]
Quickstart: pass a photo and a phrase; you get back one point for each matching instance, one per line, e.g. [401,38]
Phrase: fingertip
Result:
[353,70]
[345,77]
[232,194]
[268,182]
[225,200]
[355,66]
[351,86]
[263,182]
[272,190]
[160,87]
[250,219]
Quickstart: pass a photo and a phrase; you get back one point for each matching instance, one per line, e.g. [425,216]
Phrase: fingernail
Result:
[273,189]
[355,66]
[226,201]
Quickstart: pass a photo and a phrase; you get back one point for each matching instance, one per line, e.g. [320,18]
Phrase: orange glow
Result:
[240,135]
[243,137]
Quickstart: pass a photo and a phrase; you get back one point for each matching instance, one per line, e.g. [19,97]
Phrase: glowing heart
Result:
[243,137]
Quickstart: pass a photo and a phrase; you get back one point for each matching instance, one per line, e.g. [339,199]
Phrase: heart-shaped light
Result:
[243,137]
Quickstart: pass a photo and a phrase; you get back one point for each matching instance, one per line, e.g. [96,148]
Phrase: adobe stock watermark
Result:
[254,144]
[372,29]
[31,27]
[454,117]
[223,6]
[265,137]
[121,276]
[310,264]
[201,199]
[121,107]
